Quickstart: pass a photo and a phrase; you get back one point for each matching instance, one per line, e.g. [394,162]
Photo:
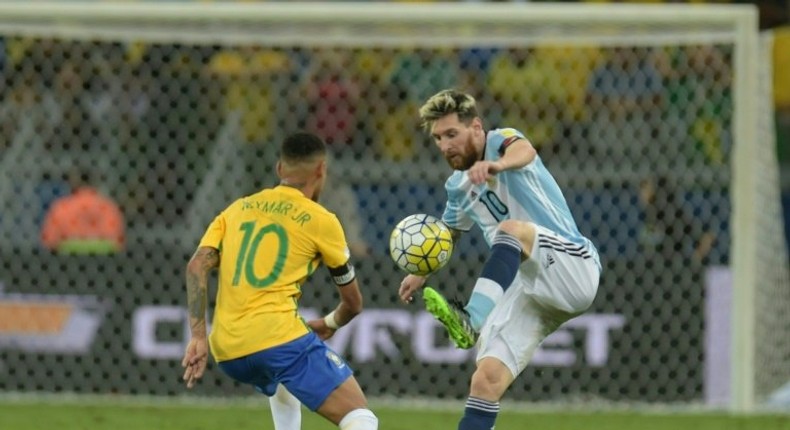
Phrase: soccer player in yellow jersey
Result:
[265,245]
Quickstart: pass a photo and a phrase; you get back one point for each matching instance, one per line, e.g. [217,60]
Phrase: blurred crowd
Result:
[174,130]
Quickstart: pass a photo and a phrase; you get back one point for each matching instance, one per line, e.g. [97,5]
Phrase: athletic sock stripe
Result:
[484,409]
[483,405]
[506,239]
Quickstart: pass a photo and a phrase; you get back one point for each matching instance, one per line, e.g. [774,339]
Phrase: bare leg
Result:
[489,383]
[346,398]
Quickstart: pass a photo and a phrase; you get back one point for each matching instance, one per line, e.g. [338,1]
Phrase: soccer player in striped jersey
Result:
[265,246]
[541,271]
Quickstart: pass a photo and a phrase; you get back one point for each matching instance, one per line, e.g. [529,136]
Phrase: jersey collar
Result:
[286,189]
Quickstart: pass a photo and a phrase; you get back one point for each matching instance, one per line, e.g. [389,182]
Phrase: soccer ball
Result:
[421,244]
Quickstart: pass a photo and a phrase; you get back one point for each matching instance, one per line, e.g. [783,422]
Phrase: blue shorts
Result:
[306,366]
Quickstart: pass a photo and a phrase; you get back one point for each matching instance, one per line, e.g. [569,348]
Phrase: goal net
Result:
[653,119]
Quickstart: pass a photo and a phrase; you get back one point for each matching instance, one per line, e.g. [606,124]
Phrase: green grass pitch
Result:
[167,415]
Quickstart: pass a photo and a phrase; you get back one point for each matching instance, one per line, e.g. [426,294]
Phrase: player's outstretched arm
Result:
[409,286]
[517,155]
[196,354]
[350,306]
[350,303]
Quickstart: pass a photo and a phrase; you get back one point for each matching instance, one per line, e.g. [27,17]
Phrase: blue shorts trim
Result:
[306,366]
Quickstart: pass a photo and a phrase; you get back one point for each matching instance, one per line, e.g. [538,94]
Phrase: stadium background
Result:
[174,131]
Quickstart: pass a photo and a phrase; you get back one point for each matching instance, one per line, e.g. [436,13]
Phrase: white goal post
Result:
[462,25]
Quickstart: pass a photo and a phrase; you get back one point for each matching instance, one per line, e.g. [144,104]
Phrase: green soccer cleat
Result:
[453,316]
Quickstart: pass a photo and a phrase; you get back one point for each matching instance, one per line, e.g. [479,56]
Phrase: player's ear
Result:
[279,169]
[321,167]
[477,124]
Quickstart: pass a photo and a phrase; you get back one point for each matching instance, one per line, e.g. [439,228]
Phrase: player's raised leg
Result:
[499,271]
[507,250]
[452,316]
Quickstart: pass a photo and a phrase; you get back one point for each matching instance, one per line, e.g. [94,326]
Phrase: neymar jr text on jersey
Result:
[279,207]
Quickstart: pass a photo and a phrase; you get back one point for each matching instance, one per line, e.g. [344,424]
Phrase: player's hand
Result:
[320,328]
[482,171]
[195,360]
[409,285]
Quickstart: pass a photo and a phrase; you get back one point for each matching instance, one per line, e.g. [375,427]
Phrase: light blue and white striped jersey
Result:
[527,194]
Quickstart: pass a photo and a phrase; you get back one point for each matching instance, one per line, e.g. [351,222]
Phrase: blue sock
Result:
[479,414]
[502,264]
[498,273]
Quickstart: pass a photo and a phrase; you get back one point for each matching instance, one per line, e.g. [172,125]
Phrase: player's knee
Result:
[359,419]
[488,384]
[511,226]
[524,231]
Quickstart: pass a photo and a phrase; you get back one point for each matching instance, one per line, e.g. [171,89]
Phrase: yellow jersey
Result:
[269,243]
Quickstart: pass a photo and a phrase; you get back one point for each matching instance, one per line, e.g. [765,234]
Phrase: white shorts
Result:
[557,283]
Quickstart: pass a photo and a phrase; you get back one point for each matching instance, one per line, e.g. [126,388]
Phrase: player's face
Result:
[457,141]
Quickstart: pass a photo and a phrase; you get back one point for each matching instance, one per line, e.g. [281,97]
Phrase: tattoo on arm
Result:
[202,262]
